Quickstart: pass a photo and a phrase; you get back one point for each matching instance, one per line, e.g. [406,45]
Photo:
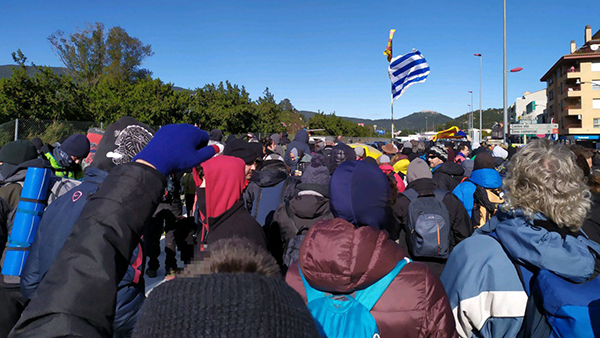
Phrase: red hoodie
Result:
[225,179]
[388,169]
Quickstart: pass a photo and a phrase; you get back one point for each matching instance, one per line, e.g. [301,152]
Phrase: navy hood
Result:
[301,136]
[359,193]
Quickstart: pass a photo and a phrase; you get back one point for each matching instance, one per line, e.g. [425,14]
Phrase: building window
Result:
[596,123]
[596,104]
[562,105]
[551,95]
[551,80]
[561,87]
[595,84]
[595,66]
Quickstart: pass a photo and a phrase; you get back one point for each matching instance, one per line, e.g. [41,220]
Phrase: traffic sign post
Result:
[534,128]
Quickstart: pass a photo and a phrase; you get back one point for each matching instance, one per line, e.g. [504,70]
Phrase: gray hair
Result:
[420,148]
[543,177]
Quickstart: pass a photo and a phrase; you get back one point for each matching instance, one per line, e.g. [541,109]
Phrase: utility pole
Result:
[505,133]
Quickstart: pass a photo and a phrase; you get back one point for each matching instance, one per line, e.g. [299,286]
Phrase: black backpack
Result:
[292,250]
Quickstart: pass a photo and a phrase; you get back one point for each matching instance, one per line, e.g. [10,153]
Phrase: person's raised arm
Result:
[77,296]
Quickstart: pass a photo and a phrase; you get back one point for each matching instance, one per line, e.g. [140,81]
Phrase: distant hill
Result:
[414,121]
[6,70]
[490,117]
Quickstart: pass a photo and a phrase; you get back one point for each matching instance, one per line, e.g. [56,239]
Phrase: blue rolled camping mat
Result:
[27,218]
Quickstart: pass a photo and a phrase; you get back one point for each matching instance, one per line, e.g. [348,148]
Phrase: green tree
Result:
[94,52]
[42,96]
[269,114]
[149,101]
[224,106]
[335,125]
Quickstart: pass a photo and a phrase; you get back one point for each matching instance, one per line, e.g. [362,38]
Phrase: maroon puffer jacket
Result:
[338,258]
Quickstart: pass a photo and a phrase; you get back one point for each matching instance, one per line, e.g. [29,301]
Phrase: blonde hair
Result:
[543,177]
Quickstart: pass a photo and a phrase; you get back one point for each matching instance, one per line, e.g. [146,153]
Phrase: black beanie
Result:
[76,145]
[17,152]
[225,305]
[484,160]
[242,149]
[37,143]
[120,143]
[216,135]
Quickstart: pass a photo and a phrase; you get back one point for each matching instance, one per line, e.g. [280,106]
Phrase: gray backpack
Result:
[428,224]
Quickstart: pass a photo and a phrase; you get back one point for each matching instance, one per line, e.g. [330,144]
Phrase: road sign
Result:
[533,128]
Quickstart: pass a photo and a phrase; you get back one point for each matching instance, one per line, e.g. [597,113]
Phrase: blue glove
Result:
[177,147]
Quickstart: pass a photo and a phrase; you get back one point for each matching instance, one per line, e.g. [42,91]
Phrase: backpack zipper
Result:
[437,225]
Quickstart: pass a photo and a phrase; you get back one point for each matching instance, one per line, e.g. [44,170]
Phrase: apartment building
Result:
[529,107]
[573,90]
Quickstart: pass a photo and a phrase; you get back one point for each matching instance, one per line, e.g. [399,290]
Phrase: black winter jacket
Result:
[77,296]
[460,227]
[235,222]
[302,212]
[448,175]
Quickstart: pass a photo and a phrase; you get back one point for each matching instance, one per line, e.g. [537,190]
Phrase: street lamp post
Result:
[504,73]
[480,91]
[472,122]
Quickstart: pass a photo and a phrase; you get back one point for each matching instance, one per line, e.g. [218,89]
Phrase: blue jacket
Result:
[487,178]
[53,231]
[485,291]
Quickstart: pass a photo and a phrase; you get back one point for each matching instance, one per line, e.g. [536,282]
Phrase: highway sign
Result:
[533,128]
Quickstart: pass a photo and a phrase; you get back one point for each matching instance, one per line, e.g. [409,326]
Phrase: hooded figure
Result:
[420,179]
[311,204]
[300,143]
[339,154]
[531,249]
[222,211]
[121,142]
[484,175]
[448,175]
[268,188]
[350,253]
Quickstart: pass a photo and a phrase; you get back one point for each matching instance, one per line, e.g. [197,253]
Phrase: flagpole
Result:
[392,90]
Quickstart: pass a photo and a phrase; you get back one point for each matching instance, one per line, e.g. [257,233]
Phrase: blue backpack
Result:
[558,307]
[346,316]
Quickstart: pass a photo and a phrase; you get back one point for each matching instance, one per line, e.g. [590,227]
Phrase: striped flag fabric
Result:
[406,70]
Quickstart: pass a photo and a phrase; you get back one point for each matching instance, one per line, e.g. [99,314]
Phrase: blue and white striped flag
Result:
[406,70]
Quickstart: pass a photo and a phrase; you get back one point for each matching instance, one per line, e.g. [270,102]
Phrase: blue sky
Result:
[324,55]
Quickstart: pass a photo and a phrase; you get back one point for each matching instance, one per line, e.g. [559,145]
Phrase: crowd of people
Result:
[296,238]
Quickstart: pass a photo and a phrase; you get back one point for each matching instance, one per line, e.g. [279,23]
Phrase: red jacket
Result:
[336,257]
[388,169]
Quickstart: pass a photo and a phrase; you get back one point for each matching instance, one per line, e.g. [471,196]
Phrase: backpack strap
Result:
[311,293]
[289,213]
[411,194]
[368,297]
[258,196]
[440,194]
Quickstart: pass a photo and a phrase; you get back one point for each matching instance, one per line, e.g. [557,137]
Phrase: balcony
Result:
[573,73]
[573,109]
[572,125]
[574,91]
